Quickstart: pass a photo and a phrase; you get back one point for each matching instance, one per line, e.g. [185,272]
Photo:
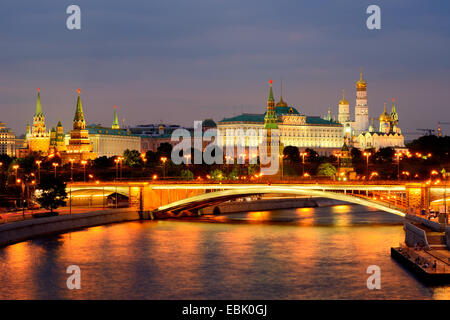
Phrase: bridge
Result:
[170,198]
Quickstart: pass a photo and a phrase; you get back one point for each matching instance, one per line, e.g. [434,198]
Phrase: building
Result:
[388,135]
[7,141]
[112,141]
[79,147]
[361,107]
[295,129]
[38,138]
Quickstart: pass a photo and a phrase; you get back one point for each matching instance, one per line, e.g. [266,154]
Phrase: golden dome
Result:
[361,83]
[385,117]
[343,101]
[281,103]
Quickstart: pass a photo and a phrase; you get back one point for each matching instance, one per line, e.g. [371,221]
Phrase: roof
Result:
[97,129]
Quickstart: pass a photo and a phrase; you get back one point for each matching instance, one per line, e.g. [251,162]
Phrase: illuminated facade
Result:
[388,135]
[112,141]
[7,140]
[295,129]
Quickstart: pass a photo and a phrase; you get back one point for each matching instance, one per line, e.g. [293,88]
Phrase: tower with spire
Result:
[38,138]
[271,147]
[361,108]
[115,124]
[79,147]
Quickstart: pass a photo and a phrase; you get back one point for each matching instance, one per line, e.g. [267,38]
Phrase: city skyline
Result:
[193,67]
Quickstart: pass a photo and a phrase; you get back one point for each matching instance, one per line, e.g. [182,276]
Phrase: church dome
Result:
[343,101]
[385,117]
[361,83]
[281,103]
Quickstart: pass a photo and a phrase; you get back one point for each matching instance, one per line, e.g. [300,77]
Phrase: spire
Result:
[59,123]
[270,92]
[393,106]
[38,103]
[115,124]
[79,109]
[270,119]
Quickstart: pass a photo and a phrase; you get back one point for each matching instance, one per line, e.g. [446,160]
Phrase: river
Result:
[305,253]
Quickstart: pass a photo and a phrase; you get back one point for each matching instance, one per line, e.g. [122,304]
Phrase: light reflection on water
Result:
[306,253]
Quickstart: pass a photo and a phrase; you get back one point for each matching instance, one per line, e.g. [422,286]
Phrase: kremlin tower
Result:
[361,108]
[38,138]
[79,147]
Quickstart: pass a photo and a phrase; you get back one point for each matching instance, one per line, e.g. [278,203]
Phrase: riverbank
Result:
[24,230]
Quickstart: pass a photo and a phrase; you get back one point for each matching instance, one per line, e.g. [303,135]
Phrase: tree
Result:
[234,174]
[132,158]
[165,149]
[53,193]
[313,156]
[186,174]
[326,169]
[103,162]
[291,153]
[217,175]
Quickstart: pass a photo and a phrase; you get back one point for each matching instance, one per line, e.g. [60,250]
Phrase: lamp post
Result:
[71,169]
[116,160]
[38,162]
[338,156]
[303,154]
[398,155]
[164,160]
[55,164]
[84,162]
[121,167]
[367,155]
[15,167]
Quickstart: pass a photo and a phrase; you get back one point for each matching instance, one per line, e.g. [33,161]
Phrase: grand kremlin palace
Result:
[324,135]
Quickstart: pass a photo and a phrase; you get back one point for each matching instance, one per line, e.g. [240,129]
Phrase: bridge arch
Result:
[212,198]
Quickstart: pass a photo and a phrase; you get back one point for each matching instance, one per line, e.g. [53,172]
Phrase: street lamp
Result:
[71,169]
[116,160]
[15,167]
[38,162]
[55,165]
[367,155]
[84,162]
[399,156]
[303,154]
[338,155]
[121,167]
[163,160]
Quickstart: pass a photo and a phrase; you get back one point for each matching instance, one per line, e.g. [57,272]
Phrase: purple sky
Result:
[178,61]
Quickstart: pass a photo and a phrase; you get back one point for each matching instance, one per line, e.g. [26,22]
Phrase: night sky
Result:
[178,61]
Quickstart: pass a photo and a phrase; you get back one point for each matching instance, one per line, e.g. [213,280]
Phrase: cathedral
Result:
[358,133]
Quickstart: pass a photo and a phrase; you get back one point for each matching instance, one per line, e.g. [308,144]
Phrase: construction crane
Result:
[429,132]
[439,130]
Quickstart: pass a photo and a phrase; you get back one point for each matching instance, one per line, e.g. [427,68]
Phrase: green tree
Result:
[326,169]
[252,169]
[53,193]
[132,158]
[234,174]
[217,175]
[186,174]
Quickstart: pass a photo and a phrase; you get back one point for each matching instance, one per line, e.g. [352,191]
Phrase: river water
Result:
[306,253]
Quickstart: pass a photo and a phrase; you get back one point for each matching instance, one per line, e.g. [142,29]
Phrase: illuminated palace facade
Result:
[324,135]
